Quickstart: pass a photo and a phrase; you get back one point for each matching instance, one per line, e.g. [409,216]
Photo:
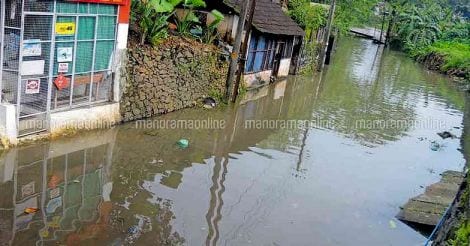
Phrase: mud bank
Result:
[436,62]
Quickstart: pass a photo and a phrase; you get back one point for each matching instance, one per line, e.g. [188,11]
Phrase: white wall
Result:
[85,118]
[8,130]
[284,67]
[253,78]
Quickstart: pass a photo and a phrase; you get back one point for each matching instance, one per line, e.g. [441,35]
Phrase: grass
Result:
[456,54]
[462,235]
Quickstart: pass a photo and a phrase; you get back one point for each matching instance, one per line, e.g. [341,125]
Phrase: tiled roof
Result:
[269,18]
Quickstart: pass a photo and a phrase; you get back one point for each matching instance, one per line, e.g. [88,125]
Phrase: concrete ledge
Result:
[254,79]
[95,117]
[8,131]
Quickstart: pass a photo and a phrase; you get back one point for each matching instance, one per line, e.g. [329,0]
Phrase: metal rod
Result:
[74,59]
[94,58]
[20,62]
[51,67]
[2,44]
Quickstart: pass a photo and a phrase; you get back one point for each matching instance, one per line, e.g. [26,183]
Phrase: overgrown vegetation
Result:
[309,16]
[354,13]
[462,235]
[152,17]
[435,32]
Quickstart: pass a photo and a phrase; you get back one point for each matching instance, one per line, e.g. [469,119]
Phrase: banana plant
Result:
[189,18]
[152,18]
[211,30]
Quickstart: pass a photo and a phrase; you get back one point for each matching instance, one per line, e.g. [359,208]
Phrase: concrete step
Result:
[428,208]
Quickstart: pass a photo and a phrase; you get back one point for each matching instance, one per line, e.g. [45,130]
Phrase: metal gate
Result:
[47,40]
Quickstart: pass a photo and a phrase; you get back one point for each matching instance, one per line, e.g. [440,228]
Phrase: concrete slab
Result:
[428,208]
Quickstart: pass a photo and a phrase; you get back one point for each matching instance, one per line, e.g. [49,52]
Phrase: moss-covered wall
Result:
[174,75]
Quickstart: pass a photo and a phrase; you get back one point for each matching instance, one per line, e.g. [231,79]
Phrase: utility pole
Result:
[383,22]
[242,61]
[326,36]
[236,48]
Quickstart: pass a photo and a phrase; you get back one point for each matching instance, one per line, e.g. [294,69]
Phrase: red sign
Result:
[61,82]
[119,2]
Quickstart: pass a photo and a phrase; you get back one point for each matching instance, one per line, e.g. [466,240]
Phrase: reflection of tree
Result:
[364,89]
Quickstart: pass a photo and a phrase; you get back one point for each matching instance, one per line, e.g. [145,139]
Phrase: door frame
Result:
[2,41]
[279,51]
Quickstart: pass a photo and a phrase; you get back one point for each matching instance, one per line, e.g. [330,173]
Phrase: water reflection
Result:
[66,181]
[239,185]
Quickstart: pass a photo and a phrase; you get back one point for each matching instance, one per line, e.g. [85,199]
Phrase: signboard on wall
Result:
[66,28]
[119,2]
[64,54]
[32,86]
[63,68]
[61,82]
[32,47]
[32,67]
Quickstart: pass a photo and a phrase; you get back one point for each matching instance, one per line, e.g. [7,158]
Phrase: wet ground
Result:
[315,160]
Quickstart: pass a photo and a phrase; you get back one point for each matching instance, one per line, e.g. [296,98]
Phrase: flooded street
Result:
[314,160]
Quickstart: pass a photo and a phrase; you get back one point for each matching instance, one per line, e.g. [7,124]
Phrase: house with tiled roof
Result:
[274,43]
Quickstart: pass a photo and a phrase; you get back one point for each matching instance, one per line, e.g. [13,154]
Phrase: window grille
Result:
[33,50]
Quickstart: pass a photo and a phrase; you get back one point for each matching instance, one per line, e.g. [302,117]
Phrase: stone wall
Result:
[176,74]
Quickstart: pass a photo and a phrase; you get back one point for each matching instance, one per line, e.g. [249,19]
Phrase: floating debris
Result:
[209,102]
[446,134]
[183,143]
[133,230]
[31,210]
[435,146]
[392,224]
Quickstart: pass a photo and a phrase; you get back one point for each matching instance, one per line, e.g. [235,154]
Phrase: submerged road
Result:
[325,159]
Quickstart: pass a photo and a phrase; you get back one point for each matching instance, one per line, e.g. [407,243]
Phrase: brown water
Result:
[338,181]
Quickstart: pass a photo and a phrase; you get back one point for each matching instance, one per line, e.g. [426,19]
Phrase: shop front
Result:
[58,56]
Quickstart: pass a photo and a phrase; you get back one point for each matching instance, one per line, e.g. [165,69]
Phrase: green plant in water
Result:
[151,17]
[211,33]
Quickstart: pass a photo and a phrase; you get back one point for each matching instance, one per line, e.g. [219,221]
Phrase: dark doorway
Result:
[294,64]
[280,47]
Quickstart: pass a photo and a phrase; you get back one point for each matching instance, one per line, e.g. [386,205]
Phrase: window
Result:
[288,49]
[260,53]
[91,46]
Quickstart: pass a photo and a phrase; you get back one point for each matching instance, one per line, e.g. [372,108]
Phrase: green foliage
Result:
[458,32]
[462,235]
[189,18]
[211,33]
[310,52]
[425,27]
[353,13]
[308,16]
[456,55]
[421,25]
[152,18]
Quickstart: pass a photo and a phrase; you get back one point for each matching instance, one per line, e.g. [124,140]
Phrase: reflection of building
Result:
[68,184]
[57,56]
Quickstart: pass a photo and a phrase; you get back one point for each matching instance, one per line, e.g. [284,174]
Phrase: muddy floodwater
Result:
[326,159]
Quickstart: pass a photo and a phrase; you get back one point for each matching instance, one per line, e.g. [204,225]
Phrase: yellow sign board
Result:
[67,28]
